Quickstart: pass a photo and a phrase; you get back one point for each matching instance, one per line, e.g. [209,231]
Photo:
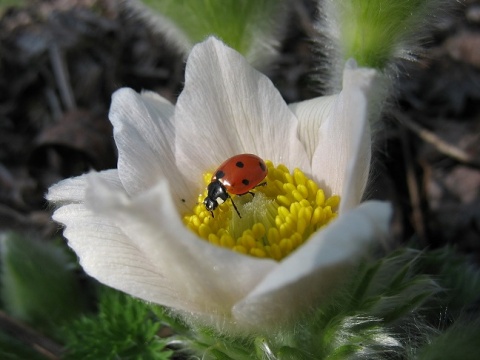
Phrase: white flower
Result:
[126,225]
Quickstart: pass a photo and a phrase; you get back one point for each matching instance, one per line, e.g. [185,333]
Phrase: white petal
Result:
[73,190]
[311,114]
[145,135]
[341,161]
[205,278]
[313,270]
[227,108]
[108,255]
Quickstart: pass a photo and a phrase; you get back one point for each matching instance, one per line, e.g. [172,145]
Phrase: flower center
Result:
[277,220]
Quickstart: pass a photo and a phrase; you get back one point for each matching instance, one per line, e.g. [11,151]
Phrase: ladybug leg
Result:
[248,192]
[235,207]
[252,193]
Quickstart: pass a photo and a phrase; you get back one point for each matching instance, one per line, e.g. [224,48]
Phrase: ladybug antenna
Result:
[211,212]
[235,207]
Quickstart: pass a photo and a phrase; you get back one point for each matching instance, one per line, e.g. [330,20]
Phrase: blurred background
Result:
[60,61]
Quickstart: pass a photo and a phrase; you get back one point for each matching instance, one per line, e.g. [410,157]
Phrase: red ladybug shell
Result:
[241,173]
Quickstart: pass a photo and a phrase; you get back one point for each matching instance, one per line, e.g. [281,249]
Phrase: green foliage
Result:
[38,285]
[458,342]
[124,328]
[245,25]
[407,305]
[388,309]
[457,275]
[371,31]
[363,319]
[4,4]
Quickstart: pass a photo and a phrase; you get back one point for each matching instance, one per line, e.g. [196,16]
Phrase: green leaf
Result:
[364,316]
[373,32]
[124,328]
[363,285]
[460,341]
[252,27]
[168,317]
[4,4]
[38,285]
[456,273]
[373,28]
[378,26]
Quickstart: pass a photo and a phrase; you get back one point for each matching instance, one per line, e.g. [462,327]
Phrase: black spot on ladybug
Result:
[245,182]
[262,166]
[220,174]
[239,164]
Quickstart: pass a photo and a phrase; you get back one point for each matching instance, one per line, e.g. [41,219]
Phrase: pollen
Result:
[280,216]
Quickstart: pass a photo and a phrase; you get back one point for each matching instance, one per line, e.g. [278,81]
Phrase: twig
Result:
[35,340]
[413,189]
[62,77]
[441,145]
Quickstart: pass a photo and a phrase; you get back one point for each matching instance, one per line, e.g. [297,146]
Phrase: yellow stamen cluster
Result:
[278,219]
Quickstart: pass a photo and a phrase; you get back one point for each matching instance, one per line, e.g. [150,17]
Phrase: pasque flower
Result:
[140,228]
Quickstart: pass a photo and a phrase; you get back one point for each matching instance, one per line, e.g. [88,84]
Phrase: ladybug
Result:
[238,176]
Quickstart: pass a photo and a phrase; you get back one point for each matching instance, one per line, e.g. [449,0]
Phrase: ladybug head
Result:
[210,204]
[216,195]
